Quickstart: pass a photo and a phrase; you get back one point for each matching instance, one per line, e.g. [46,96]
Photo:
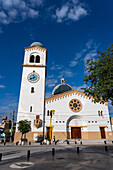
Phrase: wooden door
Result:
[76,132]
[48,132]
[102,131]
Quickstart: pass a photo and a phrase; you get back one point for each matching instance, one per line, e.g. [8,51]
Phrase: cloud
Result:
[17,10]
[2,86]
[14,11]
[51,82]
[73,63]
[77,57]
[89,44]
[90,55]
[75,60]
[66,73]
[72,10]
[89,52]
[51,76]
[77,12]
[56,67]
[61,13]
[8,104]
[35,3]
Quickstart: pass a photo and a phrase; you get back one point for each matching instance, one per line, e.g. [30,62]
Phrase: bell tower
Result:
[32,92]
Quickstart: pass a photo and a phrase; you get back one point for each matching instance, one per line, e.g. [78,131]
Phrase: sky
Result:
[72,31]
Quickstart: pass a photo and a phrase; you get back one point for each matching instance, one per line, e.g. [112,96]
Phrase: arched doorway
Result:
[74,127]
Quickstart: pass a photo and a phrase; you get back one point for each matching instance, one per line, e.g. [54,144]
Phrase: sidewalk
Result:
[70,142]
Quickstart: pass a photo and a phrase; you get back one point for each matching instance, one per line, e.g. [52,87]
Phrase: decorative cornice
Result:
[35,47]
[103,126]
[29,65]
[70,93]
[77,126]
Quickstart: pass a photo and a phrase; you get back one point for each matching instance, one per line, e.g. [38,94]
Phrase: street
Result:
[65,157]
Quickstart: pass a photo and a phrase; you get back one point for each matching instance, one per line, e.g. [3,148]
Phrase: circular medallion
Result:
[33,77]
[75,105]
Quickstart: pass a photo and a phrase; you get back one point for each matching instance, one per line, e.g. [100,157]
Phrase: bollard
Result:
[81,142]
[28,155]
[105,142]
[106,149]
[53,151]
[68,142]
[75,142]
[29,143]
[77,149]
[112,141]
[0,156]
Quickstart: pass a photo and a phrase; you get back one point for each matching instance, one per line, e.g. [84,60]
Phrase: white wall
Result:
[89,112]
[36,99]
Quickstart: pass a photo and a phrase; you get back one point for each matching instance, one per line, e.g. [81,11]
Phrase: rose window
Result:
[75,105]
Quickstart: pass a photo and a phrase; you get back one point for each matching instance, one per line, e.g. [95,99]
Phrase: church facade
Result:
[75,116]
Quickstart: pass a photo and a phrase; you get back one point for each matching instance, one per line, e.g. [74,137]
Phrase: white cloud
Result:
[34,3]
[13,13]
[51,82]
[73,63]
[75,60]
[8,104]
[61,13]
[89,52]
[77,12]
[2,86]
[89,44]
[90,55]
[56,67]
[50,76]
[72,10]
[33,13]
[66,73]
[17,10]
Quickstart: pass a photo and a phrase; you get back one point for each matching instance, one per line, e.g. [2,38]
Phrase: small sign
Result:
[35,137]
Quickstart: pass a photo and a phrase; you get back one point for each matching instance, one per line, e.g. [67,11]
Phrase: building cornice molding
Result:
[103,126]
[29,65]
[35,47]
[70,93]
[77,126]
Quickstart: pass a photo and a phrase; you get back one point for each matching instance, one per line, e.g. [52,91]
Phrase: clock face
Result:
[75,105]
[33,77]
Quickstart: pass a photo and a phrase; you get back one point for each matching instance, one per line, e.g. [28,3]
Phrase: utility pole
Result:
[12,124]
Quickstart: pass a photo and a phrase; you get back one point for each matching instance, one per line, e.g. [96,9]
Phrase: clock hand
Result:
[32,77]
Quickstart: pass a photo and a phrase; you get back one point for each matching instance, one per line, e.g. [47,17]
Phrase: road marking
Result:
[22,165]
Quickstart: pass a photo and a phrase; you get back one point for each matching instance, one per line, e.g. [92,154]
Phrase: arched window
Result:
[37,59]
[32,59]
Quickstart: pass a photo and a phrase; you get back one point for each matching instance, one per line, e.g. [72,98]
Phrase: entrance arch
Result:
[74,122]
